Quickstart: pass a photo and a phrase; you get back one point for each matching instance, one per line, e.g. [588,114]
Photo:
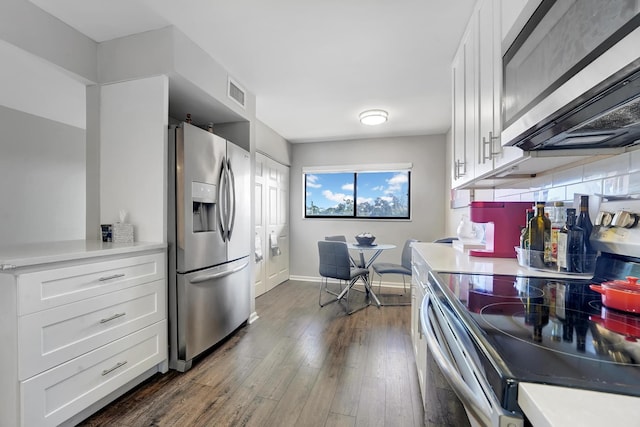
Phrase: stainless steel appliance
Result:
[209,241]
[571,78]
[487,333]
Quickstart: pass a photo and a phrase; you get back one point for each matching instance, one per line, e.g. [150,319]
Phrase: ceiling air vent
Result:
[236,93]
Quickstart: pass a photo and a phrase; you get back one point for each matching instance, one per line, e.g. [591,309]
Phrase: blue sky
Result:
[328,189]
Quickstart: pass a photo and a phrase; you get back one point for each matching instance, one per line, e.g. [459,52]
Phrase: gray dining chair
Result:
[341,238]
[403,269]
[335,263]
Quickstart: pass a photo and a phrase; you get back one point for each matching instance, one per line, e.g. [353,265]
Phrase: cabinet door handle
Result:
[117,365]
[115,316]
[115,276]
[490,151]
[492,138]
[419,325]
[486,142]
[459,165]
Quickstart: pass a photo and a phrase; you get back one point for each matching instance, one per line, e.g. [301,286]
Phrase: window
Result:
[362,194]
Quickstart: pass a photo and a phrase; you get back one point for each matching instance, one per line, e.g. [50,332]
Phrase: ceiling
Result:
[312,65]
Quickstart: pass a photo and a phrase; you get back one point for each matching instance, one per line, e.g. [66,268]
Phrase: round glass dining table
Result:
[367,255]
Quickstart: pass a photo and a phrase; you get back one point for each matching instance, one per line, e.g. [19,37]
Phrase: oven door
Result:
[456,357]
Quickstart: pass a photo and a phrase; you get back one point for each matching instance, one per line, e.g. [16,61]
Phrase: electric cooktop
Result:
[548,330]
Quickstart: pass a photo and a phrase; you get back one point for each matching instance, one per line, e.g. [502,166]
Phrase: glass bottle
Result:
[539,237]
[562,256]
[584,223]
[575,246]
[558,220]
[524,234]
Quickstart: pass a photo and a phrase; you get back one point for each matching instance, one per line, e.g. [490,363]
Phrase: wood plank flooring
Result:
[297,365]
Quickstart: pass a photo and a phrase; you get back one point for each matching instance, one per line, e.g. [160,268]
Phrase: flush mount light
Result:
[373,117]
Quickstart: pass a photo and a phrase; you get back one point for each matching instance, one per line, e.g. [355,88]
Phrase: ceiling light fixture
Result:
[373,117]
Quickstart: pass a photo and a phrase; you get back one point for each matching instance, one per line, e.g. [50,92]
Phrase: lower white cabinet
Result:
[78,332]
[418,282]
[57,394]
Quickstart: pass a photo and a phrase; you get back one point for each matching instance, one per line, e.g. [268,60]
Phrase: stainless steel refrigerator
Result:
[209,241]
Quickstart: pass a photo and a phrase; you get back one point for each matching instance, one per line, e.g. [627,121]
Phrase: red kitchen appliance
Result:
[503,222]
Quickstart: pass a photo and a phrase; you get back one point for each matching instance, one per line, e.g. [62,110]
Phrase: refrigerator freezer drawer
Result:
[211,304]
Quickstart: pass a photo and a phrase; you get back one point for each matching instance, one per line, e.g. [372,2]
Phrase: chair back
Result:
[337,238]
[406,253]
[334,260]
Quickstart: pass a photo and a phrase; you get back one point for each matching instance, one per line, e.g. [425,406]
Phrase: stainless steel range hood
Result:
[577,88]
[597,119]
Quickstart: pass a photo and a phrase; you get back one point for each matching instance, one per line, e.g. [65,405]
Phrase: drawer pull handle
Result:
[115,276]
[109,319]
[118,365]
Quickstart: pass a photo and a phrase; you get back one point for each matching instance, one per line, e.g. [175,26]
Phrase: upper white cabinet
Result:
[464,107]
[477,89]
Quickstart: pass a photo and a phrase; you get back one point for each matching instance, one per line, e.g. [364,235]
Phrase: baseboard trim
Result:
[253,317]
[392,285]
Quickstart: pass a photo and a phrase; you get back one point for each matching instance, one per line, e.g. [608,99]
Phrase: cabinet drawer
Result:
[50,288]
[50,337]
[60,393]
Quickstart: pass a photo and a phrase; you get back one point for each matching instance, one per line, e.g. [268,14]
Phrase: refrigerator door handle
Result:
[205,277]
[222,203]
[232,194]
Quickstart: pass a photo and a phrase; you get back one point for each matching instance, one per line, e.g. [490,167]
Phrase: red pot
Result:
[620,294]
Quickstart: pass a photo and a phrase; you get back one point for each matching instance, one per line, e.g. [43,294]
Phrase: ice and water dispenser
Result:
[204,197]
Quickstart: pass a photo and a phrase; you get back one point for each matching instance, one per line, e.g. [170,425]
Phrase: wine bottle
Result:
[584,223]
[539,237]
[524,233]
[575,246]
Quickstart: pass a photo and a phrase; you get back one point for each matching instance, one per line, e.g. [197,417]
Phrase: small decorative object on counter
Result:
[210,127]
[107,232]
[122,232]
[188,120]
[469,231]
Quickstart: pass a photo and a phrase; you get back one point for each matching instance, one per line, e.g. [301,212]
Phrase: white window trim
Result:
[373,167]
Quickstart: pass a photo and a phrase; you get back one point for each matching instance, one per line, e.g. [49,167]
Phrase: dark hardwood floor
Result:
[297,365]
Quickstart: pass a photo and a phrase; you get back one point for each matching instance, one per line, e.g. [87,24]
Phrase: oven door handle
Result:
[484,411]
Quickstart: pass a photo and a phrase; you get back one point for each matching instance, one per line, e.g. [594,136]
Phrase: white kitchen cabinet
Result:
[79,327]
[419,271]
[477,102]
[464,111]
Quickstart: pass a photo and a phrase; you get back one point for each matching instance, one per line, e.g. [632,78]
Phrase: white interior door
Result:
[260,233]
[272,223]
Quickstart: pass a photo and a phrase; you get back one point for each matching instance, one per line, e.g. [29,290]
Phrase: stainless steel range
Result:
[488,333]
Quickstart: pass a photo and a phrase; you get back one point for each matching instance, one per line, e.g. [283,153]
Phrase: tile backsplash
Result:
[614,176]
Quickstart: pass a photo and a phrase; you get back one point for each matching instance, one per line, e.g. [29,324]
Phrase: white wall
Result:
[42,150]
[428,188]
[271,144]
[42,179]
[134,117]
[28,27]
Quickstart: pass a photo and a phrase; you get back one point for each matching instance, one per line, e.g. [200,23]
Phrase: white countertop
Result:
[15,256]
[544,405]
[547,406]
[446,259]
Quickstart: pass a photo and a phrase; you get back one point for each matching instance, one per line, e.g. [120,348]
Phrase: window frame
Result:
[355,170]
